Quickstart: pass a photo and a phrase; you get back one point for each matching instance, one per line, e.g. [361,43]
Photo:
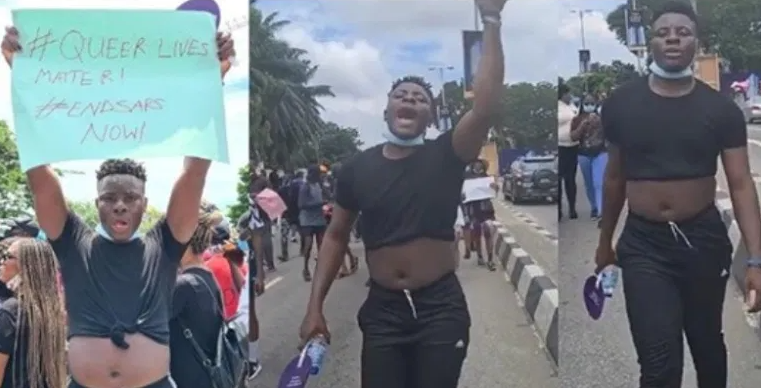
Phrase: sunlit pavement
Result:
[504,351]
[600,354]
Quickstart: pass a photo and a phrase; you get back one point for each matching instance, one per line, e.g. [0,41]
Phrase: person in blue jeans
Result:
[586,128]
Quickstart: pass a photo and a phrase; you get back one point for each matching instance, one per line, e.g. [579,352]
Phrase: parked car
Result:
[531,178]
[755,112]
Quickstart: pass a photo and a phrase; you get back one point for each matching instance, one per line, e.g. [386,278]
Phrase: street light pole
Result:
[581,13]
[443,108]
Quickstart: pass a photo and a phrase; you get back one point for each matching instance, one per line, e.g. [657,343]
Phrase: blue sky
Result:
[220,187]
[362,46]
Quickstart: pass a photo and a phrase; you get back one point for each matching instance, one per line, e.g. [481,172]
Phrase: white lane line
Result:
[272,282]
[754,142]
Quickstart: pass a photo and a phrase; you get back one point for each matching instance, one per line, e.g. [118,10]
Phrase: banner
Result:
[90,85]
[585,58]
[635,31]
[472,42]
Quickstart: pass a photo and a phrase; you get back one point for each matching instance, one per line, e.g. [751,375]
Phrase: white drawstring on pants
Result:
[408,294]
[678,233]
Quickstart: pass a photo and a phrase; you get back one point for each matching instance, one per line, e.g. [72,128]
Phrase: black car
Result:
[532,178]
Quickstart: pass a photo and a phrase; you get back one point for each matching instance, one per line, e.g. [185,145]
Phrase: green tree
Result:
[242,188]
[334,144]
[527,113]
[730,28]
[284,111]
[89,213]
[602,78]
[528,116]
[15,198]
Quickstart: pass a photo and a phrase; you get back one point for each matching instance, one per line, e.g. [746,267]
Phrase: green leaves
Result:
[242,188]
[15,198]
[602,78]
[527,114]
[730,28]
[285,114]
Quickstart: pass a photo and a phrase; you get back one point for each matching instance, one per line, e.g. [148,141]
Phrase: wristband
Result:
[753,262]
[491,19]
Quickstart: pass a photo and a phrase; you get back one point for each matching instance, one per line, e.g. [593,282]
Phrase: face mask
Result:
[662,73]
[589,108]
[396,140]
[102,232]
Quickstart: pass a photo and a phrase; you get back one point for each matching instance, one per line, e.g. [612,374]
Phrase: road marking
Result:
[272,282]
[754,142]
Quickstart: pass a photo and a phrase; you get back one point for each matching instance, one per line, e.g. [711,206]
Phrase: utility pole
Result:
[476,24]
[444,113]
[582,13]
[584,57]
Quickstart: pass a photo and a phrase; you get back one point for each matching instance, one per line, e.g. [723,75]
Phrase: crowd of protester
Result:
[210,282]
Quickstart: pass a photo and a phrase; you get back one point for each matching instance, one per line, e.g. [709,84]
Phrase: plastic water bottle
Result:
[316,351]
[609,281]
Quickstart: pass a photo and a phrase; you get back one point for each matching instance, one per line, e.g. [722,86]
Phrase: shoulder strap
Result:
[188,334]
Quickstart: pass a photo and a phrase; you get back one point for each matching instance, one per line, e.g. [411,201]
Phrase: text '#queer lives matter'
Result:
[74,46]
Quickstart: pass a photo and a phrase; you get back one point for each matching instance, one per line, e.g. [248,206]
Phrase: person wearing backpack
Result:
[196,301]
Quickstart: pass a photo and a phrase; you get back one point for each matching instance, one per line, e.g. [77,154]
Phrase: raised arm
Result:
[473,129]
[49,202]
[182,213]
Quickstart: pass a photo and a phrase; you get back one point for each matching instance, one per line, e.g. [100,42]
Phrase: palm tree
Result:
[285,113]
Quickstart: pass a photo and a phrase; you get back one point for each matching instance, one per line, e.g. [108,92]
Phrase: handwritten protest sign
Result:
[112,84]
[476,189]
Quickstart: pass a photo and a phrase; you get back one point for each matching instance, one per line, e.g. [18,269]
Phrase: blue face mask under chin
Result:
[662,73]
[589,108]
[102,232]
[396,140]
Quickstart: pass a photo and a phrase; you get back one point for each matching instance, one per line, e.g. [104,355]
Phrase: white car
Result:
[755,112]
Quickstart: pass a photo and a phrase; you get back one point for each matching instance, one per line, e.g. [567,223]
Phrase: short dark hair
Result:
[681,7]
[412,79]
[121,167]
[313,173]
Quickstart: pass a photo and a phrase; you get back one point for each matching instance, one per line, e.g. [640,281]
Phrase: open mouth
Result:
[120,226]
[406,116]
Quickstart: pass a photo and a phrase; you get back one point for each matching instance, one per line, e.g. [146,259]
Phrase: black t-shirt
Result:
[663,138]
[9,313]
[113,289]
[402,200]
[197,304]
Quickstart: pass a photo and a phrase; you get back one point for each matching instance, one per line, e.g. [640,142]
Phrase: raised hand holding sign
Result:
[86,85]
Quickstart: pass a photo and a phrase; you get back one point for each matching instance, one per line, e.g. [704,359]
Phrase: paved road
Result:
[542,250]
[504,351]
[600,354]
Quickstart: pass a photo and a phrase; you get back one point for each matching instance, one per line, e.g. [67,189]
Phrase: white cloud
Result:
[161,173]
[359,45]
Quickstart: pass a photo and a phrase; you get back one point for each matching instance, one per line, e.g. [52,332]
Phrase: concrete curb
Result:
[536,290]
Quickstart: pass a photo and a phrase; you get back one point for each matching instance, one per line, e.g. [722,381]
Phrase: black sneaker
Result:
[253,370]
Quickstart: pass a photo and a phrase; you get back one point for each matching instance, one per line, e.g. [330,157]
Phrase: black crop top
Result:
[402,200]
[663,138]
[116,289]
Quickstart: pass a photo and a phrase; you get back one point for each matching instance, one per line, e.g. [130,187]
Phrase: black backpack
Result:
[228,368]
